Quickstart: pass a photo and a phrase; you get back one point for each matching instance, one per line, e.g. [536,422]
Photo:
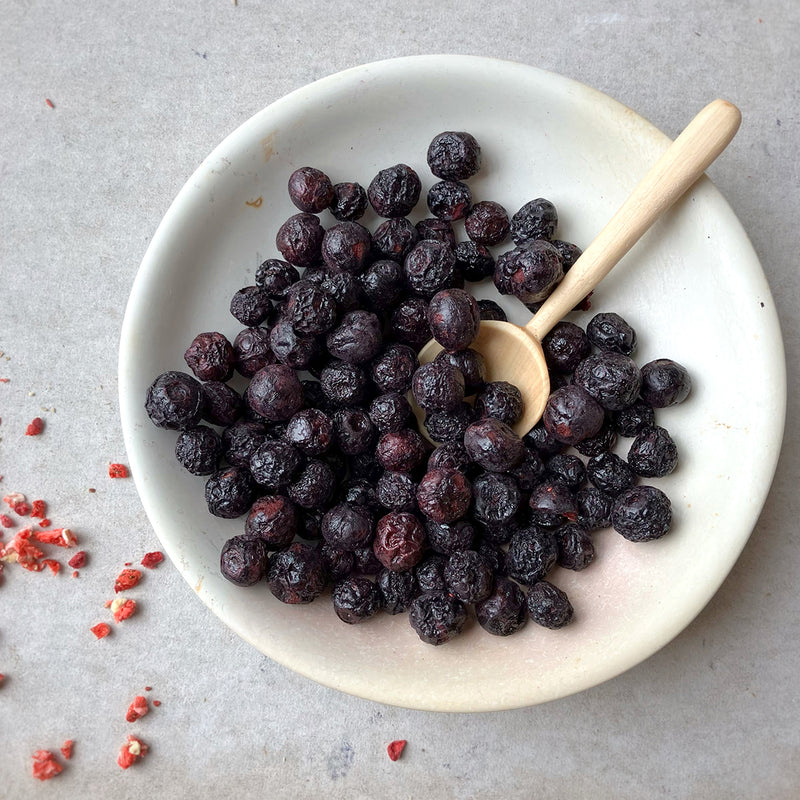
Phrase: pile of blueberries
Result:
[324,458]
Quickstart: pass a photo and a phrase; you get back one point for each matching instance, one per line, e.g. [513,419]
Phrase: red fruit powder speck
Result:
[35,427]
[6,521]
[117,471]
[152,560]
[45,765]
[395,748]
[122,608]
[66,749]
[52,564]
[127,579]
[137,709]
[22,509]
[132,751]
[101,630]
[78,560]
[38,509]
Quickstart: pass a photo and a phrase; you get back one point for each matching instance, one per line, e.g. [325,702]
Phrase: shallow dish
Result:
[693,288]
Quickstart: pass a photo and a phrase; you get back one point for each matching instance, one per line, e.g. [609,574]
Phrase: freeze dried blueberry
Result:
[275,277]
[429,573]
[530,472]
[174,400]
[449,426]
[313,486]
[409,323]
[365,562]
[348,526]
[500,400]
[299,240]
[575,548]
[454,318]
[397,491]
[397,589]
[450,454]
[354,430]
[401,451]
[394,238]
[571,415]
[641,513]
[274,520]
[610,473]
[570,470]
[210,356]
[310,190]
[291,348]
[310,309]
[504,611]
[359,492]
[365,467]
[537,219]
[468,576]
[275,464]
[241,440]
[497,498]
[198,450]
[444,495]
[601,442]
[349,201]
[475,263]
[222,404]
[549,606]
[439,229]
[565,347]
[487,223]
[451,537]
[529,272]
[394,191]
[390,412]
[633,419]
[438,386]
[552,503]
[449,200]
[229,492]
[470,364]
[297,574]
[399,541]
[609,331]
[532,553]
[275,393]
[490,310]
[541,440]
[394,368]
[594,508]
[243,561]
[356,599]
[568,251]
[429,267]
[250,306]
[494,445]
[611,378]
[357,338]
[338,563]
[346,246]
[665,383]
[653,453]
[252,351]
[454,155]
[500,534]
[494,556]
[343,384]
[437,617]
[383,283]
[310,430]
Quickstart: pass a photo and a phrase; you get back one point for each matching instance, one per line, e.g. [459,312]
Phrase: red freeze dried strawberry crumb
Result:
[12,499]
[101,630]
[20,549]
[66,749]
[35,427]
[152,560]
[37,509]
[78,560]
[52,564]
[61,537]
[132,751]
[127,579]
[395,749]
[156,703]
[6,521]
[75,573]
[44,523]
[137,709]
[45,765]
[117,471]
[122,608]
[21,509]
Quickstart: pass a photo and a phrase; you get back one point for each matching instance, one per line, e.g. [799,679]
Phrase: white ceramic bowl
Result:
[693,288]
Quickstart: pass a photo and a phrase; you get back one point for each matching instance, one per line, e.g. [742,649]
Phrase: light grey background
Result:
[143,91]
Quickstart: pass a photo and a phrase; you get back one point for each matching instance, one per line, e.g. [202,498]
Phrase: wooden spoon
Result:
[514,353]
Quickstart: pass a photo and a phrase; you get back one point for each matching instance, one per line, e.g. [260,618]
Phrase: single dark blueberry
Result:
[449,200]
[310,309]
[429,267]
[343,384]
[541,440]
[394,191]
[222,404]
[537,219]
[493,445]
[454,318]
[500,400]
[210,356]
[409,323]
[429,573]
[450,538]
[449,426]
[439,229]
[575,548]
[299,240]
[500,534]
[530,472]
[399,541]
[357,338]
[390,412]
[297,574]
[311,431]
[401,451]
[252,351]
[450,454]
[243,561]
[349,202]
[394,238]
[470,364]
[610,473]
[594,508]
[437,617]
[397,589]
[571,414]
[348,526]
[601,442]
[487,223]
[549,606]
[251,306]
[609,331]
[633,419]
[346,246]
[383,284]
[198,450]
[475,262]
[468,576]
[310,190]
[438,386]
[394,368]
[397,491]
[354,431]
[665,383]
[356,599]
[314,485]
[275,277]
[568,251]
[653,453]
[338,563]
[493,555]
[454,155]
[552,503]
[275,464]
[364,466]
[497,499]
[505,610]
[274,520]
[641,513]
[444,495]
[359,492]
[174,400]
[490,310]
[229,492]
[291,348]
[241,440]
[365,562]
[345,288]
[529,272]
[565,347]
[611,378]
[532,553]
[570,470]
[275,393]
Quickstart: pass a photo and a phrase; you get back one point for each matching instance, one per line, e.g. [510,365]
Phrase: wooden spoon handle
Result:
[684,161]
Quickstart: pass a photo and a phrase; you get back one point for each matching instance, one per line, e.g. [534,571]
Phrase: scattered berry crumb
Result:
[117,471]
[75,573]
[152,560]
[2,678]
[156,703]
[137,709]
[12,499]
[45,765]
[127,579]
[61,537]
[38,509]
[132,751]
[129,563]
[148,688]
[92,491]
[22,509]
[6,521]
[101,630]
[34,428]
[45,523]
[49,103]
[66,749]
[395,748]
[122,608]
[21,550]
[52,564]
[78,560]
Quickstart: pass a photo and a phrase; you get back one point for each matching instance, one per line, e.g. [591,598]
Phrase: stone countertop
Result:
[140,93]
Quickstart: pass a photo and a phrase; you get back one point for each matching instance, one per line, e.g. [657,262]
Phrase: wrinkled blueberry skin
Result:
[468,576]
[633,419]
[438,386]
[408,323]
[398,590]
[349,202]
[299,240]
[252,351]
[275,277]
[198,450]
[497,498]
[603,441]
[491,311]
[357,338]
[383,284]
[611,378]
[475,263]
[549,606]
[470,363]
[402,451]
[532,553]
[275,393]
[449,200]
[449,426]
[297,575]
[356,599]
[610,473]
[429,267]
[552,503]
[210,356]
[437,617]
[347,526]
[229,492]
[530,472]
[665,383]
[241,440]
[500,400]
[346,246]
[222,404]
[439,229]
[450,538]
[394,191]
[343,384]
[311,431]
[494,445]
[594,508]
[354,431]
[310,190]
[609,331]
[310,309]
[275,464]
[571,415]
[454,155]
[360,492]
[243,561]
[345,288]
[537,219]
[390,412]
[274,520]
[653,453]
[429,573]
[565,347]
[394,239]
[394,368]
[541,440]
[575,548]
[487,223]
[504,611]
[175,401]
[568,469]
[396,491]
[450,454]
[569,253]
[338,563]
[444,495]
[529,272]
[314,485]
[454,318]
[642,513]
[291,348]
[399,541]
[250,306]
